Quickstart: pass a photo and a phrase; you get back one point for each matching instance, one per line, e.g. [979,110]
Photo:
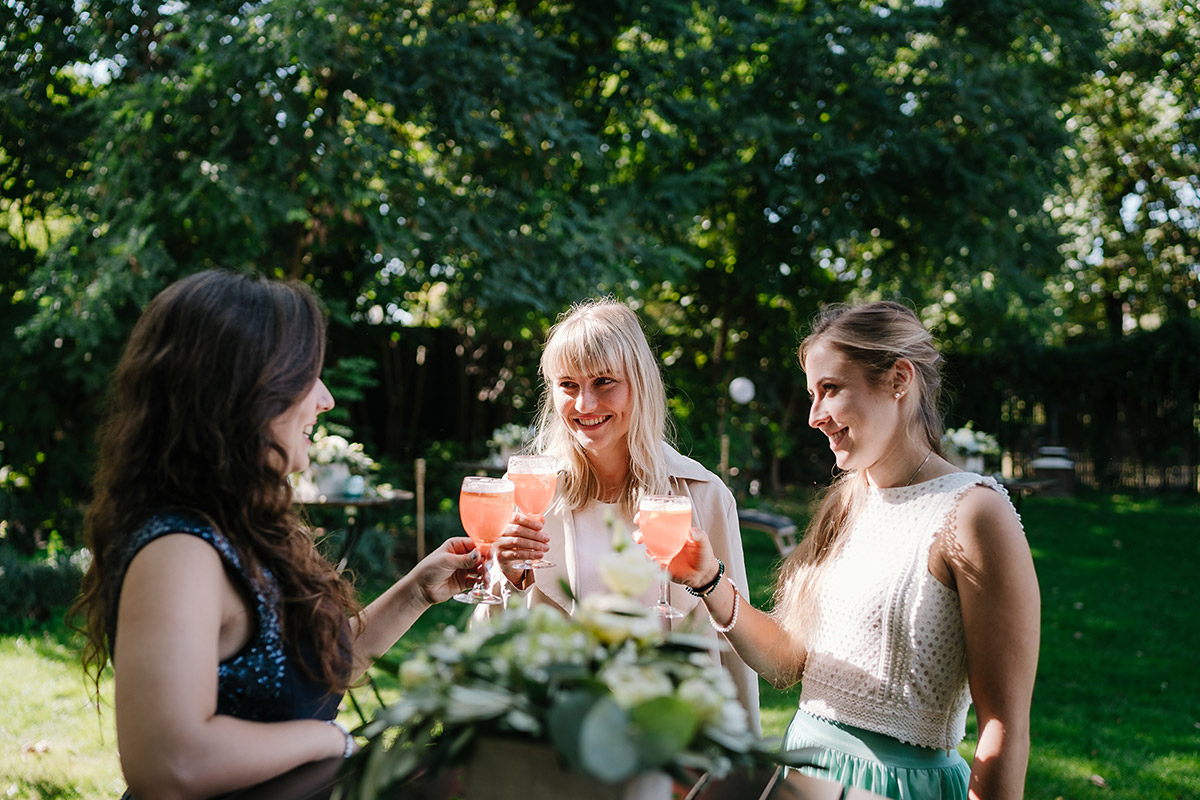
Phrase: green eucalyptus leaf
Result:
[607,746]
[521,720]
[663,727]
[471,703]
[564,724]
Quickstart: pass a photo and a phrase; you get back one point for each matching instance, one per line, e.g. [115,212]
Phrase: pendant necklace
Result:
[918,472]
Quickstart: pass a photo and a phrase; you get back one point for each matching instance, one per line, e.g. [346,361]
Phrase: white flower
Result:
[415,672]
[329,448]
[967,441]
[631,684]
[627,572]
[613,618]
[701,695]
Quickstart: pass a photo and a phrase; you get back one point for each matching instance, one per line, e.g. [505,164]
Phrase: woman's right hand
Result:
[522,540]
[452,567]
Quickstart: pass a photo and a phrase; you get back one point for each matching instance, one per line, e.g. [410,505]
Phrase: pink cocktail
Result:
[535,479]
[485,507]
[665,530]
[665,522]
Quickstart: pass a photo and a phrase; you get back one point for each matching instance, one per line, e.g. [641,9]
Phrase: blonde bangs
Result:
[583,348]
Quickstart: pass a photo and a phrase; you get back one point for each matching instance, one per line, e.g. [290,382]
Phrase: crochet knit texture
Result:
[888,653]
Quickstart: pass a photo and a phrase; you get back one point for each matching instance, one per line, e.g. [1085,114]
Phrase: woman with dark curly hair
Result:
[231,638]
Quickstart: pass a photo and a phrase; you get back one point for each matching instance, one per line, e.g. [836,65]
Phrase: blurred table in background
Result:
[1019,489]
[356,508]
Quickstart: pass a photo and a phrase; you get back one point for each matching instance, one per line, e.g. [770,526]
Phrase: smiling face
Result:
[860,416]
[596,410]
[293,428]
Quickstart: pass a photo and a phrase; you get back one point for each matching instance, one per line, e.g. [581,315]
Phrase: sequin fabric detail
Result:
[259,682]
[888,654]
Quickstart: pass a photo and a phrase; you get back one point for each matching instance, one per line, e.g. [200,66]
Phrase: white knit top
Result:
[887,653]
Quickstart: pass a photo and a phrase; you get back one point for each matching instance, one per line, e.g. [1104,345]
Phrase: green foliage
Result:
[476,167]
[33,589]
[605,688]
[1130,206]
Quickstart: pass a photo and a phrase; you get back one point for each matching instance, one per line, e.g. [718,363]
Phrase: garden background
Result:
[450,176]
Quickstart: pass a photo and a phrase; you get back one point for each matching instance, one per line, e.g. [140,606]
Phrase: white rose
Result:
[627,572]
[702,696]
[613,618]
[631,684]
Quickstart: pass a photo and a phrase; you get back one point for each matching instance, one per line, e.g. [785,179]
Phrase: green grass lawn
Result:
[1116,709]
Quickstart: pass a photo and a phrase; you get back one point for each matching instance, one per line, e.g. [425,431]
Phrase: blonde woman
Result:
[913,593]
[603,416]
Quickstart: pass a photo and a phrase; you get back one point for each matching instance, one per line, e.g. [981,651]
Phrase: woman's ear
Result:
[903,376]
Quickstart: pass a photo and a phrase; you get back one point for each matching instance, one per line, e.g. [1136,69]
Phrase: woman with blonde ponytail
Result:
[913,593]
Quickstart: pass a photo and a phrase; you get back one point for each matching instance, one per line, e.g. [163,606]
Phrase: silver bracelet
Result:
[348,750]
[733,620]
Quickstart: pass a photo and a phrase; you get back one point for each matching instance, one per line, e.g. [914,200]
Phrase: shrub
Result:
[33,589]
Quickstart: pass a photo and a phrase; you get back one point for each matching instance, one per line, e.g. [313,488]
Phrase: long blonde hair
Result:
[874,336]
[604,337]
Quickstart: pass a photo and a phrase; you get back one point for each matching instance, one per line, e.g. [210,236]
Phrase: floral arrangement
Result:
[611,694]
[329,448]
[966,441]
[510,437]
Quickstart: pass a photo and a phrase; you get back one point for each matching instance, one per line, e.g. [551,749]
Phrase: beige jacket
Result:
[713,511]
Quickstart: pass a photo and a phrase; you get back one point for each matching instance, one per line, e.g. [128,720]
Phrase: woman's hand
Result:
[521,541]
[452,568]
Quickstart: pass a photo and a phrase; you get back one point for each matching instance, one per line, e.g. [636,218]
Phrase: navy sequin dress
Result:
[263,681]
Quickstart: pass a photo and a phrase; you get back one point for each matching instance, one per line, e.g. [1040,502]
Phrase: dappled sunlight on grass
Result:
[53,744]
[1118,695]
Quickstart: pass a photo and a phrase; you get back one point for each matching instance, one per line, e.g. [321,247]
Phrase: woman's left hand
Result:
[695,564]
[454,567]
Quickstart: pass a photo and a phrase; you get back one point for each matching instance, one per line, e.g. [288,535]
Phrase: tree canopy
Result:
[727,166]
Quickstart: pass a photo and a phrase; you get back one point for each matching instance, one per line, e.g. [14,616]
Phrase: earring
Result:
[898,395]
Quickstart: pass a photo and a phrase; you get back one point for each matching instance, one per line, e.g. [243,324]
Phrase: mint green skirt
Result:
[879,763]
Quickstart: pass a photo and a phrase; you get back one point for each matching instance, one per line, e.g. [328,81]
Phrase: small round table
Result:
[353,504]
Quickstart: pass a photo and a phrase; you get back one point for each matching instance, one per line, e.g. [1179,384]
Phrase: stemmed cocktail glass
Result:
[535,479]
[485,506]
[665,522]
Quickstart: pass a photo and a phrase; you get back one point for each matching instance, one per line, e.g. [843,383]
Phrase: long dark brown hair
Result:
[874,336]
[214,358]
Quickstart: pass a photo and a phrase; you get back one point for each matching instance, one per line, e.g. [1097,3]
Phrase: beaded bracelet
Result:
[711,586]
[733,619]
[348,749]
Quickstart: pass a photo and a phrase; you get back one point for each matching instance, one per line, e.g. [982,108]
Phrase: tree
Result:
[1131,208]
[731,165]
